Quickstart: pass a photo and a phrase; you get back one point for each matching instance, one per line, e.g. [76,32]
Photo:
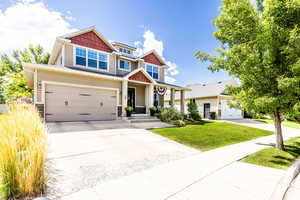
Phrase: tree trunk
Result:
[278,131]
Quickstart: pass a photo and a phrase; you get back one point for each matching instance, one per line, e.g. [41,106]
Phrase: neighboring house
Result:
[90,78]
[209,98]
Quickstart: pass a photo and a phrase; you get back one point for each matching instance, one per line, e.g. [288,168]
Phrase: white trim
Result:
[63,55]
[76,85]
[119,64]
[86,57]
[146,63]
[57,68]
[35,86]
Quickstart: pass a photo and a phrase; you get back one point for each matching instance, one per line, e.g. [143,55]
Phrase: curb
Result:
[284,183]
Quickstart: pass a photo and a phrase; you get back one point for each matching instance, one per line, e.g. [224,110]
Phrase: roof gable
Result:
[153,58]
[140,75]
[92,40]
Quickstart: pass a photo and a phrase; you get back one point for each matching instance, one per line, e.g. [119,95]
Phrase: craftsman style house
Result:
[90,78]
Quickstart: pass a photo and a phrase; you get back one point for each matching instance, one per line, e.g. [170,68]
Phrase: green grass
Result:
[272,157]
[210,135]
[287,123]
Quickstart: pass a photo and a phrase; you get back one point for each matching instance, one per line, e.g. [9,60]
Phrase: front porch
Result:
[140,91]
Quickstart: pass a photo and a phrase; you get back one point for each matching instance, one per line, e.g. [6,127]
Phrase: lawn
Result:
[272,157]
[286,123]
[210,135]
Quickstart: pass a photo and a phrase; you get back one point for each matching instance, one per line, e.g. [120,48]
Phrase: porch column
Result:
[172,97]
[149,95]
[182,101]
[124,96]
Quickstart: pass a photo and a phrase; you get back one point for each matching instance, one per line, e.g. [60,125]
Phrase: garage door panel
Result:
[79,104]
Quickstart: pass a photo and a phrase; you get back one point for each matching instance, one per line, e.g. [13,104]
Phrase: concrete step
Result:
[140,115]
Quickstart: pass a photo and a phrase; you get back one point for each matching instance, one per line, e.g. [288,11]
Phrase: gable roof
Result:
[161,60]
[86,30]
[206,90]
[140,70]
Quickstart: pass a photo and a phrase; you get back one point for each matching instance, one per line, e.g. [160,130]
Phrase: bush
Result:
[154,109]
[179,123]
[129,108]
[22,152]
[193,111]
[170,114]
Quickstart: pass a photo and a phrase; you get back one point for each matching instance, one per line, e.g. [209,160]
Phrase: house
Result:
[91,78]
[209,97]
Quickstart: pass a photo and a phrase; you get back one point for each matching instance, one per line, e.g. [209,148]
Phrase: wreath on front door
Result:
[161,91]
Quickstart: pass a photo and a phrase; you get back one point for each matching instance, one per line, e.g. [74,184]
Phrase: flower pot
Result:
[128,113]
[152,113]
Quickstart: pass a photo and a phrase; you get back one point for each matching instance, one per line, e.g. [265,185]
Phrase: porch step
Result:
[140,115]
[142,119]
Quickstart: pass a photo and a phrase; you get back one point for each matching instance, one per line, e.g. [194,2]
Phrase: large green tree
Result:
[260,45]
[12,82]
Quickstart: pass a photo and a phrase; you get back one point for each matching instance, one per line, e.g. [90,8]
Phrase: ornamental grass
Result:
[22,153]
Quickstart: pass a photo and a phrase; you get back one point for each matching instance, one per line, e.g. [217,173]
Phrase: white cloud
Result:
[150,43]
[30,22]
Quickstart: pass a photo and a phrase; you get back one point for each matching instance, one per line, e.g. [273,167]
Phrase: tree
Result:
[12,82]
[260,45]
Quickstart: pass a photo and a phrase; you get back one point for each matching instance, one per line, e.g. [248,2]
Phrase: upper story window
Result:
[91,58]
[124,65]
[153,71]
[122,50]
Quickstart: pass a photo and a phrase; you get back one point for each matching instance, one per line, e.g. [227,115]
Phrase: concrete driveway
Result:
[80,160]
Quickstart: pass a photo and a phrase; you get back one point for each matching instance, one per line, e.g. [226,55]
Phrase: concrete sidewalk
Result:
[293,192]
[184,179]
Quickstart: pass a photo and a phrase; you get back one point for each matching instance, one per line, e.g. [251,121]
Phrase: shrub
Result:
[193,111]
[179,123]
[22,152]
[153,109]
[169,114]
[129,108]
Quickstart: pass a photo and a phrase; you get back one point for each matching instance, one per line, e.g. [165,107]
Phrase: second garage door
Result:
[63,103]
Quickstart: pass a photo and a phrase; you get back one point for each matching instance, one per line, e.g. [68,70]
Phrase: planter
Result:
[152,112]
[128,113]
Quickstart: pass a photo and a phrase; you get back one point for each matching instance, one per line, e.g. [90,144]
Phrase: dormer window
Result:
[85,57]
[122,50]
[152,70]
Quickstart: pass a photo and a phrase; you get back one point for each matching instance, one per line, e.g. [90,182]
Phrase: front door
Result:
[131,98]
[206,110]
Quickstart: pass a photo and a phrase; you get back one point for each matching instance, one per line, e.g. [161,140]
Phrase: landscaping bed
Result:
[272,157]
[207,135]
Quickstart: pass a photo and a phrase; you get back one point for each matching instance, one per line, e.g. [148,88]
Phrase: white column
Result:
[182,101]
[124,96]
[172,97]
[151,95]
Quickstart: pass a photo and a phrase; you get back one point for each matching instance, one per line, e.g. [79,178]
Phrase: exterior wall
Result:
[162,74]
[134,65]
[3,108]
[68,55]
[58,60]
[139,93]
[76,79]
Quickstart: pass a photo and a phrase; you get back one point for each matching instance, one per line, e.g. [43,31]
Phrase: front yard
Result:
[286,123]
[272,157]
[209,135]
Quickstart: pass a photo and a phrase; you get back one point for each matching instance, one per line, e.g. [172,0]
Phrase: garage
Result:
[229,113]
[68,103]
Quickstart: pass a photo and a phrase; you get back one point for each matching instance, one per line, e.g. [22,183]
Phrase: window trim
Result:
[119,65]
[158,78]
[86,57]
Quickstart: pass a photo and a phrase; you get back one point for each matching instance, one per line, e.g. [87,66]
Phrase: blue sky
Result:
[182,27]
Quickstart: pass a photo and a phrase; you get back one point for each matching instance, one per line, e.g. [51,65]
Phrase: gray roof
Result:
[205,90]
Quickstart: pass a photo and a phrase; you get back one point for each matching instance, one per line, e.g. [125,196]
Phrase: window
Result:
[124,65]
[152,70]
[80,56]
[193,100]
[122,50]
[91,58]
[102,61]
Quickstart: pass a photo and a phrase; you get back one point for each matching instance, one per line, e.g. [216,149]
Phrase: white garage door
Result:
[229,113]
[65,103]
